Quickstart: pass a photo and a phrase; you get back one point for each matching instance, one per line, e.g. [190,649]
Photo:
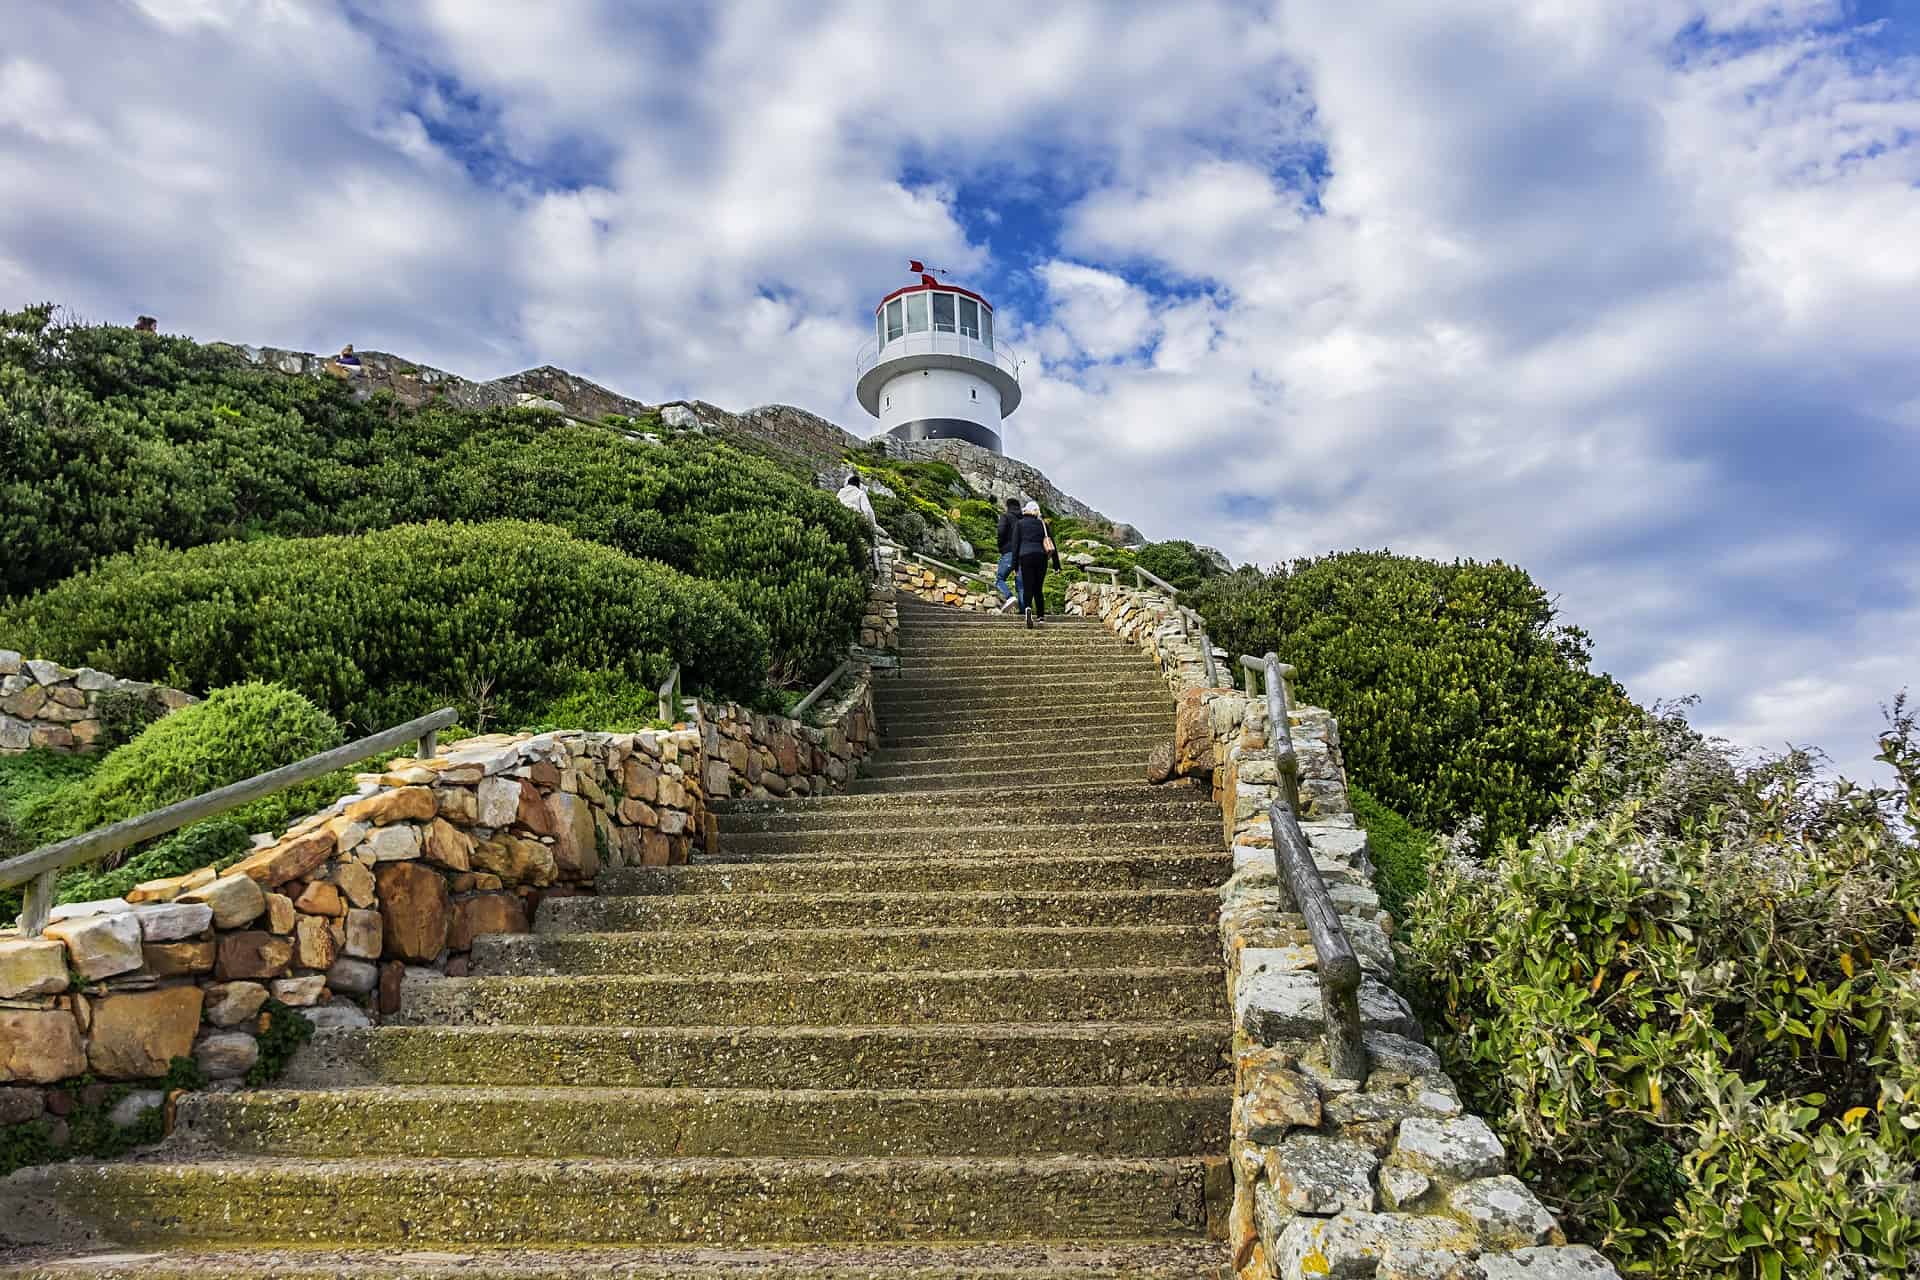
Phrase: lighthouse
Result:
[933,370]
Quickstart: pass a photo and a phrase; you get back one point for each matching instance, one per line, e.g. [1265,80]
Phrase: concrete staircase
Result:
[968,1021]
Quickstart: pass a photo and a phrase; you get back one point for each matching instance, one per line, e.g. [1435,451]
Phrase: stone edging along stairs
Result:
[969,1020]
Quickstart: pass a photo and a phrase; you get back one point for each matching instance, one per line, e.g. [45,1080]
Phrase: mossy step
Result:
[560,1202]
[918,673]
[918,837]
[869,950]
[966,781]
[1006,764]
[1013,698]
[819,999]
[1093,717]
[986,798]
[1037,1055]
[1016,751]
[437,1120]
[854,910]
[1026,1260]
[1046,807]
[1044,685]
[1144,730]
[1200,868]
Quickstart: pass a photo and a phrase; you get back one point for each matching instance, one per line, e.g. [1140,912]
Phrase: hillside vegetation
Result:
[113,439]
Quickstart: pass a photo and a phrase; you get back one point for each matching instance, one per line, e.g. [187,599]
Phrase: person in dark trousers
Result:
[1033,548]
[1006,536]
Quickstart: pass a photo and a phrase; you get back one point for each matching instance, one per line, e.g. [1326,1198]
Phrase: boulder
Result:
[291,859]
[1323,1176]
[300,992]
[357,977]
[1160,763]
[355,881]
[321,899]
[314,947]
[32,967]
[1505,1213]
[171,887]
[39,1046]
[364,934]
[236,900]
[137,1034]
[1450,1150]
[533,813]
[575,848]
[414,910]
[100,946]
[127,1112]
[226,1054]
[393,844]
[498,800]
[280,913]
[456,804]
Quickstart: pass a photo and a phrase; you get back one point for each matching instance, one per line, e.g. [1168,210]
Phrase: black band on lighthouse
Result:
[948,429]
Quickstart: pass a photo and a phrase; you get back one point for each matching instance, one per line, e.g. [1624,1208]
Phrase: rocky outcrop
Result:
[1000,478]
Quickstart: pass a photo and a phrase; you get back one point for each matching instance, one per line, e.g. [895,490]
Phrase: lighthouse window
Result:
[916,312]
[893,320]
[969,317]
[880,328]
[986,325]
[943,313]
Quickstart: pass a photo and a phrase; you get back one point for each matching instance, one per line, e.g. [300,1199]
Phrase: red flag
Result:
[915,266]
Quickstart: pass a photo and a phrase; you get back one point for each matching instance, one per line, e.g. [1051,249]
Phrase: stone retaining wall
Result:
[402,875]
[43,704]
[1386,1177]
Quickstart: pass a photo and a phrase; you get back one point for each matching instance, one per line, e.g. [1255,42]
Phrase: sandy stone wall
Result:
[43,704]
[1386,1177]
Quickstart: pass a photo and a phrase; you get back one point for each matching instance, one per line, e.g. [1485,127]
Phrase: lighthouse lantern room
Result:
[933,370]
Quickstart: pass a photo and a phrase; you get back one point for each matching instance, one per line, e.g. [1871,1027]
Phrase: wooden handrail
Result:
[1293,858]
[1150,576]
[955,570]
[801,707]
[40,868]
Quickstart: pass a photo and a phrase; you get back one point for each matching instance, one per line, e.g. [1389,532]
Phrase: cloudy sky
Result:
[1624,291]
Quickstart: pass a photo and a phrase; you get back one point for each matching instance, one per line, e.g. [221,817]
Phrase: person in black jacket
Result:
[1031,552]
[1006,536]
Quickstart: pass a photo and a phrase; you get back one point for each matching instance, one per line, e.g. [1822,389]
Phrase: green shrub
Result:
[385,626]
[1458,693]
[233,735]
[1693,1006]
[1179,562]
[97,421]
[1402,854]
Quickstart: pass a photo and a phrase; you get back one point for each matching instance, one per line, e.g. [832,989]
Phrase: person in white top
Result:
[854,498]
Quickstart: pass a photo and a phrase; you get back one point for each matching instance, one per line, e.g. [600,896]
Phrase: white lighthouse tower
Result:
[933,370]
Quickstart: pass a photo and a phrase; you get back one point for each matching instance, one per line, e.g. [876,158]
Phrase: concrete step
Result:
[987,798]
[1008,634]
[1145,730]
[1094,719]
[1025,808]
[999,1260]
[560,1202]
[934,780]
[818,1000]
[1014,699]
[941,678]
[1017,751]
[451,1121]
[876,910]
[1006,762]
[830,950]
[915,672]
[1201,867]
[960,833]
[1016,1055]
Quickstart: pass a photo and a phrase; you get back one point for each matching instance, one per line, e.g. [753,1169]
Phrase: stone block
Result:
[393,844]
[415,910]
[320,898]
[1275,1100]
[357,977]
[231,1003]
[1354,1246]
[298,993]
[364,934]
[100,946]
[1504,1212]
[498,801]
[400,804]
[39,1046]
[1323,1176]
[1276,1006]
[1454,1150]
[293,858]
[447,846]
[575,851]
[32,967]
[173,921]
[80,910]
[176,959]
[487,913]
[236,900]
[355,881]
[128,1111]
[1567,1262]
[137,1034]
[333,1016]
[253,953]
[225,1055]
[456,804]
[1395,1056]
[171,887]
[313,945]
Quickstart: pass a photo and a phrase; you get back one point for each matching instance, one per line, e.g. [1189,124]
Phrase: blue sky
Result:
[1623,291]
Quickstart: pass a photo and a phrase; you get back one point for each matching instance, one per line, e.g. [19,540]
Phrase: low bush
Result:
[381,627]
[1178,562]
[1458,692]
[1692,1006]
[1402,854]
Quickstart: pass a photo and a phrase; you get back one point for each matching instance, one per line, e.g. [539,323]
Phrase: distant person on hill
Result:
[854,498]
[146,324]
[1033,549]
[1006,536]
[344,365]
